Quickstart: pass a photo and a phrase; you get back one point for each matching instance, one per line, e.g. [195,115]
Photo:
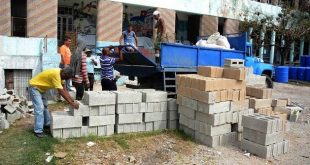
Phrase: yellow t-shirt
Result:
[48,79]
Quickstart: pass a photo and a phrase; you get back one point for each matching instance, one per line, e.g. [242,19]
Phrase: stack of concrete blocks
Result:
[204,103]
[173,115]
[263,136]
[253,79]
[129,112]
[285,107]
[12,108]
[95,116]
[260,99]
[156,110]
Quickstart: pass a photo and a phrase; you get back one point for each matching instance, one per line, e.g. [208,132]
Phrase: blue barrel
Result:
[307,74]
[307,63]
[301,73]
[281,74]
[293,73]
[303,61]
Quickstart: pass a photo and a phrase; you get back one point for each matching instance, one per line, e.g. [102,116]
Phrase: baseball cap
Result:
[156,12]
[87,50]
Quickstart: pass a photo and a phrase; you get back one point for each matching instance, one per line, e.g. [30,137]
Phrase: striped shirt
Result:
[83,77]
[107,68]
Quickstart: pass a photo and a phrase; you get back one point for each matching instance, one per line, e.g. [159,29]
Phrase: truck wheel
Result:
[269,82]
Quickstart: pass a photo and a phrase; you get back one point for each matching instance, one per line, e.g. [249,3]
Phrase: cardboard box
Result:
[234,73]
[210,71]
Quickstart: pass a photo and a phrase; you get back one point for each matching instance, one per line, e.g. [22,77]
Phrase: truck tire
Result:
[269,82]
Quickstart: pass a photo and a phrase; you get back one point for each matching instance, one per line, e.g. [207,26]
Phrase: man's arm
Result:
[121,57]
[121,39]
[68,98]
[94,62]
[164,26]
[61,52]
[136,39]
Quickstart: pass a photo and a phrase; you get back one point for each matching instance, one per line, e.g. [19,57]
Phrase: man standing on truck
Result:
[108,82]
[48,79]
[161,32]
[130,38]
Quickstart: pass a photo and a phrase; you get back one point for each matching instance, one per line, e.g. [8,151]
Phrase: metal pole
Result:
[301,48]
[261,45]
[273,39]
[292,52]
[250,33]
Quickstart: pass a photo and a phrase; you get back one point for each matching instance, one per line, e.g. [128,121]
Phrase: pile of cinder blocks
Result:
[104,113]
[95,116]
[263,136]
[286,108]
[12,108]
[211,104]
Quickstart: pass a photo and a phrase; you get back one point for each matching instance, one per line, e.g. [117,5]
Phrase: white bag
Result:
[222,41]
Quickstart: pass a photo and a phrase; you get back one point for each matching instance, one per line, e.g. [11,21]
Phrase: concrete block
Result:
[155,116]
[107,110]
[97,98]
[4,99]
[190,103]
[235,117]
[129,118]
[149,126]
[210,71]
[239,105]
[228,138]
[160,125]
[212,130]
[89,131]
[173,115]
[82,111]
[214,119]
[142,107]
[65,120]
[129,108]
[4,124]
[172,104]
[234,73]
[234,63]
[286,146]
[256,149]
[128,128]
[214,108]
[56,133]
[101,120]
[163,106]
[188,131]
[210,141]
[259,103]
[190,123]
[153,107]
[105,130]
[10,108]
[71,132]
[188,112]
[11,118]
[257,92]
[262,138]
[262,123]
[265,111]
[94,111]
[128,97]
[154,96]
[239,136]
[279,103]
[173,124]
[203,96]
[294,116]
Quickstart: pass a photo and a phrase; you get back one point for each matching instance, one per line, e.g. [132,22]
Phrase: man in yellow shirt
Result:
[65,55]
[48,79]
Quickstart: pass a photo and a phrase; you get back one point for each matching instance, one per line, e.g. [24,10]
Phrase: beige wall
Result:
[231,26]
[42,18]
[5,17]
[208,25]
[109,21]
[169,17]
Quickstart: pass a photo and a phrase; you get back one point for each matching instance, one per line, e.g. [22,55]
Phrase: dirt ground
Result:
[172,147]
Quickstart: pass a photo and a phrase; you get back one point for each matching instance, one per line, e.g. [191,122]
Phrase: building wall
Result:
[231,26]
[169,17]
[208,25]
[42,18]
[5,17]
[109,21]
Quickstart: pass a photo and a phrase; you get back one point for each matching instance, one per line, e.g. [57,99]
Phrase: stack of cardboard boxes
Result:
[264,136]
[211,104]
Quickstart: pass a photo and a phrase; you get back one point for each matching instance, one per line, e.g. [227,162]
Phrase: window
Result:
[19,18]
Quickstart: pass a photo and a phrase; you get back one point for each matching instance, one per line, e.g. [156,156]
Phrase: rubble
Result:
[12,108]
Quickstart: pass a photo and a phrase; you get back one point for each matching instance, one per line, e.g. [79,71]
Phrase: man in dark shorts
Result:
[161,32]
[107,78]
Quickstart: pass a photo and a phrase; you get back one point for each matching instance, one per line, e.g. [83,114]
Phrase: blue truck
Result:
[180,59]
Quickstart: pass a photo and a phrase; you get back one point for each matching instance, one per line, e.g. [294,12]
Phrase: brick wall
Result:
[5,17]
[169,17]
[231,26]
[42,18]
[109,21]
[208,25]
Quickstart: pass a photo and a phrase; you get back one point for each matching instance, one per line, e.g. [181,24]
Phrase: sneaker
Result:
[47,129]
[40,135]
